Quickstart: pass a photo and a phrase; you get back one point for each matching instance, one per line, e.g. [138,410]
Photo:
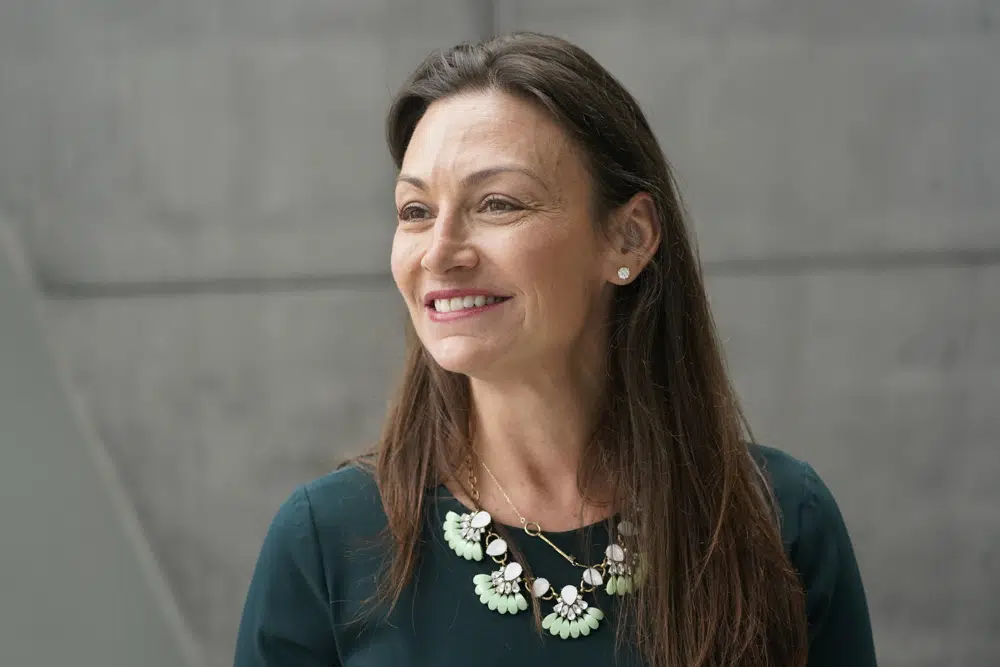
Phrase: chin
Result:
[467,357]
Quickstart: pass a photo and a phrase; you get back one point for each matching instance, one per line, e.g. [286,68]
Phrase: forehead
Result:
[472,131]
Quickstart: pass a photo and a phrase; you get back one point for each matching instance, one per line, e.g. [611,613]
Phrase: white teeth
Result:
[461,303]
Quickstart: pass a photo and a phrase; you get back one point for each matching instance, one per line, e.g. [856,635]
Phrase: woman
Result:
[563,478]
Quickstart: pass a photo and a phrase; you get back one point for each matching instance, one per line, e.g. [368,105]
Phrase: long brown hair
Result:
[720,589]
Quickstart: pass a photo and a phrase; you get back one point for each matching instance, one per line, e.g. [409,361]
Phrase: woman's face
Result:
[496,252]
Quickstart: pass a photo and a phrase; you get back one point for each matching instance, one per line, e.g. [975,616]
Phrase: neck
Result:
[532,435]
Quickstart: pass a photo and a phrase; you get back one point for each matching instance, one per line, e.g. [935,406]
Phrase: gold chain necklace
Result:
[620,572]
[530,527]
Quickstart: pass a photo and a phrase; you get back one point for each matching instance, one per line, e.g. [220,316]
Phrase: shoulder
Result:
[291,603]
[820,549]
[808,508]
[812,527]
[329,532]
[805,504]
[344,504]
[328,516]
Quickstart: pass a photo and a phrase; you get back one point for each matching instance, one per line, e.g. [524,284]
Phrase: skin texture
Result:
[494,196]
[510,233]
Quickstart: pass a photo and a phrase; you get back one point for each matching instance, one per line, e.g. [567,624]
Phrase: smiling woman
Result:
[562,352]
[495,199]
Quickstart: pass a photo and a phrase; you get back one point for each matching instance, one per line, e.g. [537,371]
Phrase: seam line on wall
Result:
[874,262]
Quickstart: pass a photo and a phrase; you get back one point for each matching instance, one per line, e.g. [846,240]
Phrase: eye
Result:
[495,204]
[412,213]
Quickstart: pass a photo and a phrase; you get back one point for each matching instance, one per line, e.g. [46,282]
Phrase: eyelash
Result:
[493,199]
[405,213]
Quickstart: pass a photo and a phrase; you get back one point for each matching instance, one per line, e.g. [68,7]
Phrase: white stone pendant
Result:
[572,617]
[540,587]
[627,529]
[501,590]
[496,548]
[592,577]
[464,533]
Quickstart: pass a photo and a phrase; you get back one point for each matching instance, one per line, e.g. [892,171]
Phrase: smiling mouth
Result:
[459,303]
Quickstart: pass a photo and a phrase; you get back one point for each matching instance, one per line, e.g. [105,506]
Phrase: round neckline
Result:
[445,493]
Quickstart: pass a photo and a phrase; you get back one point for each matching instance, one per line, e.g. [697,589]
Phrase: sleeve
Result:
[840,630]
[286,618]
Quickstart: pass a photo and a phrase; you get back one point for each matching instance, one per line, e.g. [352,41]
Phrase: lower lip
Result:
[453,315]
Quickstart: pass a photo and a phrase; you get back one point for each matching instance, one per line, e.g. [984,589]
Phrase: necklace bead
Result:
[497,547]
[540,587]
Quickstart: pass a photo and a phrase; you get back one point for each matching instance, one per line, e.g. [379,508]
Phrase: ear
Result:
[634,237]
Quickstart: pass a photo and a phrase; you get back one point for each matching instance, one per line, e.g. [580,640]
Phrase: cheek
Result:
[404,260]
[560,268]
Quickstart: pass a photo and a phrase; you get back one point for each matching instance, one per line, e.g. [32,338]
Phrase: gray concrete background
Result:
[78,582]
[204,192]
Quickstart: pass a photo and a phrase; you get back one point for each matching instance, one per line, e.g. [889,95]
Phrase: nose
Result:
[448,247]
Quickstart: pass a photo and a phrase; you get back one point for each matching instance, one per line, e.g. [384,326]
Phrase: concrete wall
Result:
[78,582]
[205,194]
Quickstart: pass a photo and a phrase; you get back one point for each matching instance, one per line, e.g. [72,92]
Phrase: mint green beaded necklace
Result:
[503,590]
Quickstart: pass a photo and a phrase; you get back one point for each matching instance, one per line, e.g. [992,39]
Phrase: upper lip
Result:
[433,296]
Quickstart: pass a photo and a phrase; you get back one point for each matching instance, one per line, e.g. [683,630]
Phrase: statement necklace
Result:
[503,590]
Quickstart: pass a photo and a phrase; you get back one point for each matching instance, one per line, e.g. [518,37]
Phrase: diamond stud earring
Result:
[624,273]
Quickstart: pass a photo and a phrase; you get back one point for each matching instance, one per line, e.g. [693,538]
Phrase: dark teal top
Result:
[318,566]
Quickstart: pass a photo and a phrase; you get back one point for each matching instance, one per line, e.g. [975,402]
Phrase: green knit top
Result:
[306,606]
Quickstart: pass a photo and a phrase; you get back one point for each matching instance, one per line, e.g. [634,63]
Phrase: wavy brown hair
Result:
[672,438]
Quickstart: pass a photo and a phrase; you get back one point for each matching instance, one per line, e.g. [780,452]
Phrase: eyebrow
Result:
[477,176]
